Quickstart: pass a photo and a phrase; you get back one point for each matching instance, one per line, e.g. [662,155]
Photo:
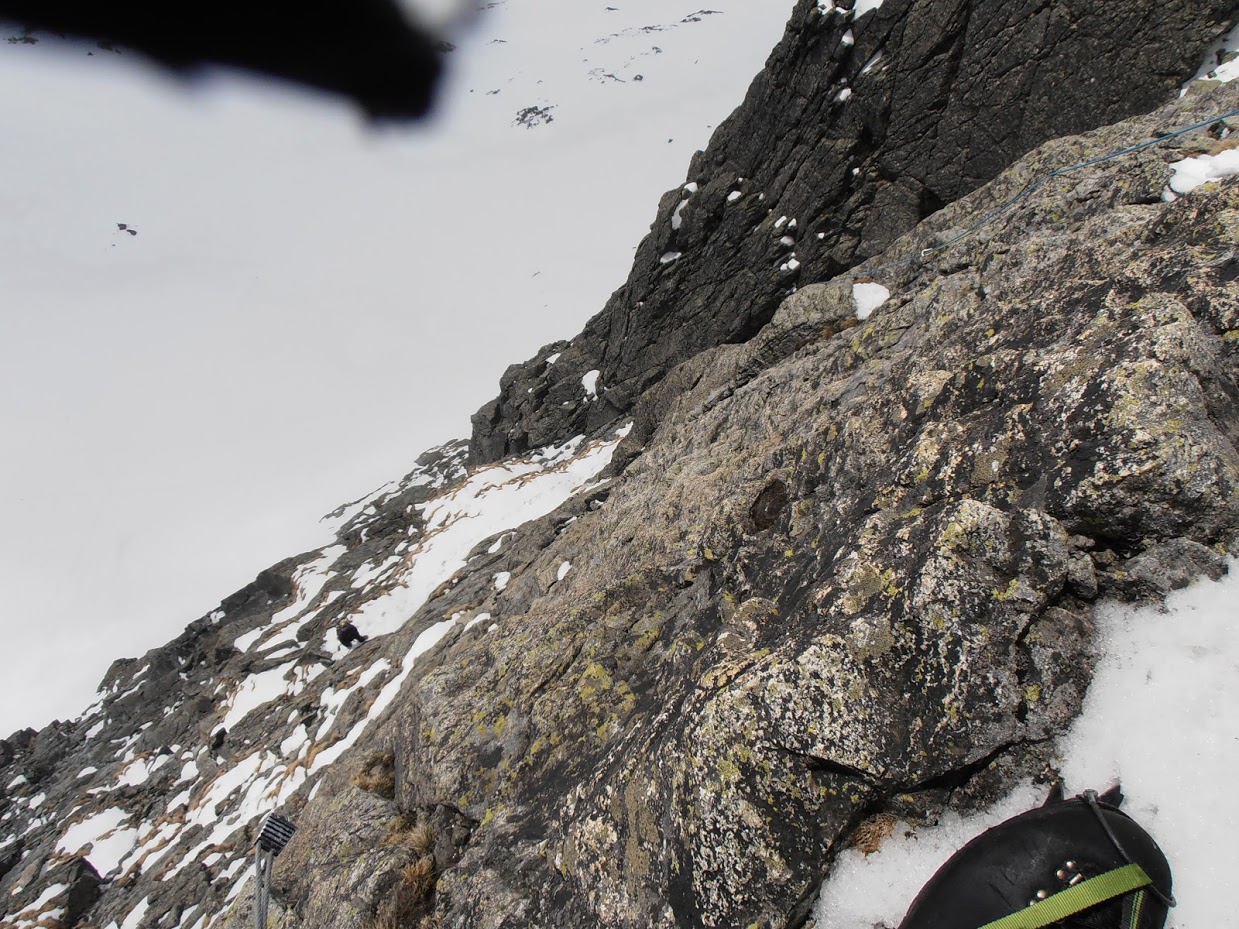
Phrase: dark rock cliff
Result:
[835,567]
[855,132]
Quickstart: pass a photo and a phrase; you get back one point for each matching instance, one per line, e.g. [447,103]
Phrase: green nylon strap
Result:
[1133,908]
[1066,903]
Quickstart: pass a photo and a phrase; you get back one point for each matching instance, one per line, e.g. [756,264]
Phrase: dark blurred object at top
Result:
[364,49]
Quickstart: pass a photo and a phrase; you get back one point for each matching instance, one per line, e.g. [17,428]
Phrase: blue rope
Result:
[1046,178]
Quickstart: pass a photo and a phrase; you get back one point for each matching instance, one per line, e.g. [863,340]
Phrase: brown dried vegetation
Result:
[870,834]
[419,876]
[408,903]
[377,775]
[406,831]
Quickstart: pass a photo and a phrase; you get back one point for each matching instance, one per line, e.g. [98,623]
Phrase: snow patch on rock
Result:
[1170,674]
[868,297]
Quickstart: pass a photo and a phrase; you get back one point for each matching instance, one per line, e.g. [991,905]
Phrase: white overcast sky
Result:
[309,303]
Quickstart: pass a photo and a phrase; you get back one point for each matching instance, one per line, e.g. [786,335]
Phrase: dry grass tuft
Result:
[377,775]
[409,901]
[398,829]
[419,877]
[421,838]
[380,782]
[870,834]
[1226,144]
[431,922]
[404,830]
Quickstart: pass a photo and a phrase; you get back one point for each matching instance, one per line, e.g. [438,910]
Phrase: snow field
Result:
[589,382]
[39,912]
[138,771]
[635,90]
[256,691]
[1191,173]
[308,581]
[424,642]
[134,919]
[368,574]
[1215,67]
[480,618]
[677,219]
[1161,718]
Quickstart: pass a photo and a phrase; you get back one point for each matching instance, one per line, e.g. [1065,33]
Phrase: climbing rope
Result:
[1045,179]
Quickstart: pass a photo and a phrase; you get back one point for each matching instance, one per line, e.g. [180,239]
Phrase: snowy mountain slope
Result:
[258,698]
[297,303]
[161,784]
[853,561]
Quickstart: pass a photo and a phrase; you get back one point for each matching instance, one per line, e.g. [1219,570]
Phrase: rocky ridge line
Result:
[857,129]
[146,806]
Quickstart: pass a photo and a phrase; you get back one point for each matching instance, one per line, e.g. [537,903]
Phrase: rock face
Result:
[860,571]
[829,568]
[856,131]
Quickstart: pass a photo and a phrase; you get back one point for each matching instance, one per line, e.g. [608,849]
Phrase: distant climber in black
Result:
[348,634]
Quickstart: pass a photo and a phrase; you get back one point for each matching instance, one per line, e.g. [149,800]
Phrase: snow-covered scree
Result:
[275,748]
[1161,718]
[41,911]
[491,500]
[1221,62]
